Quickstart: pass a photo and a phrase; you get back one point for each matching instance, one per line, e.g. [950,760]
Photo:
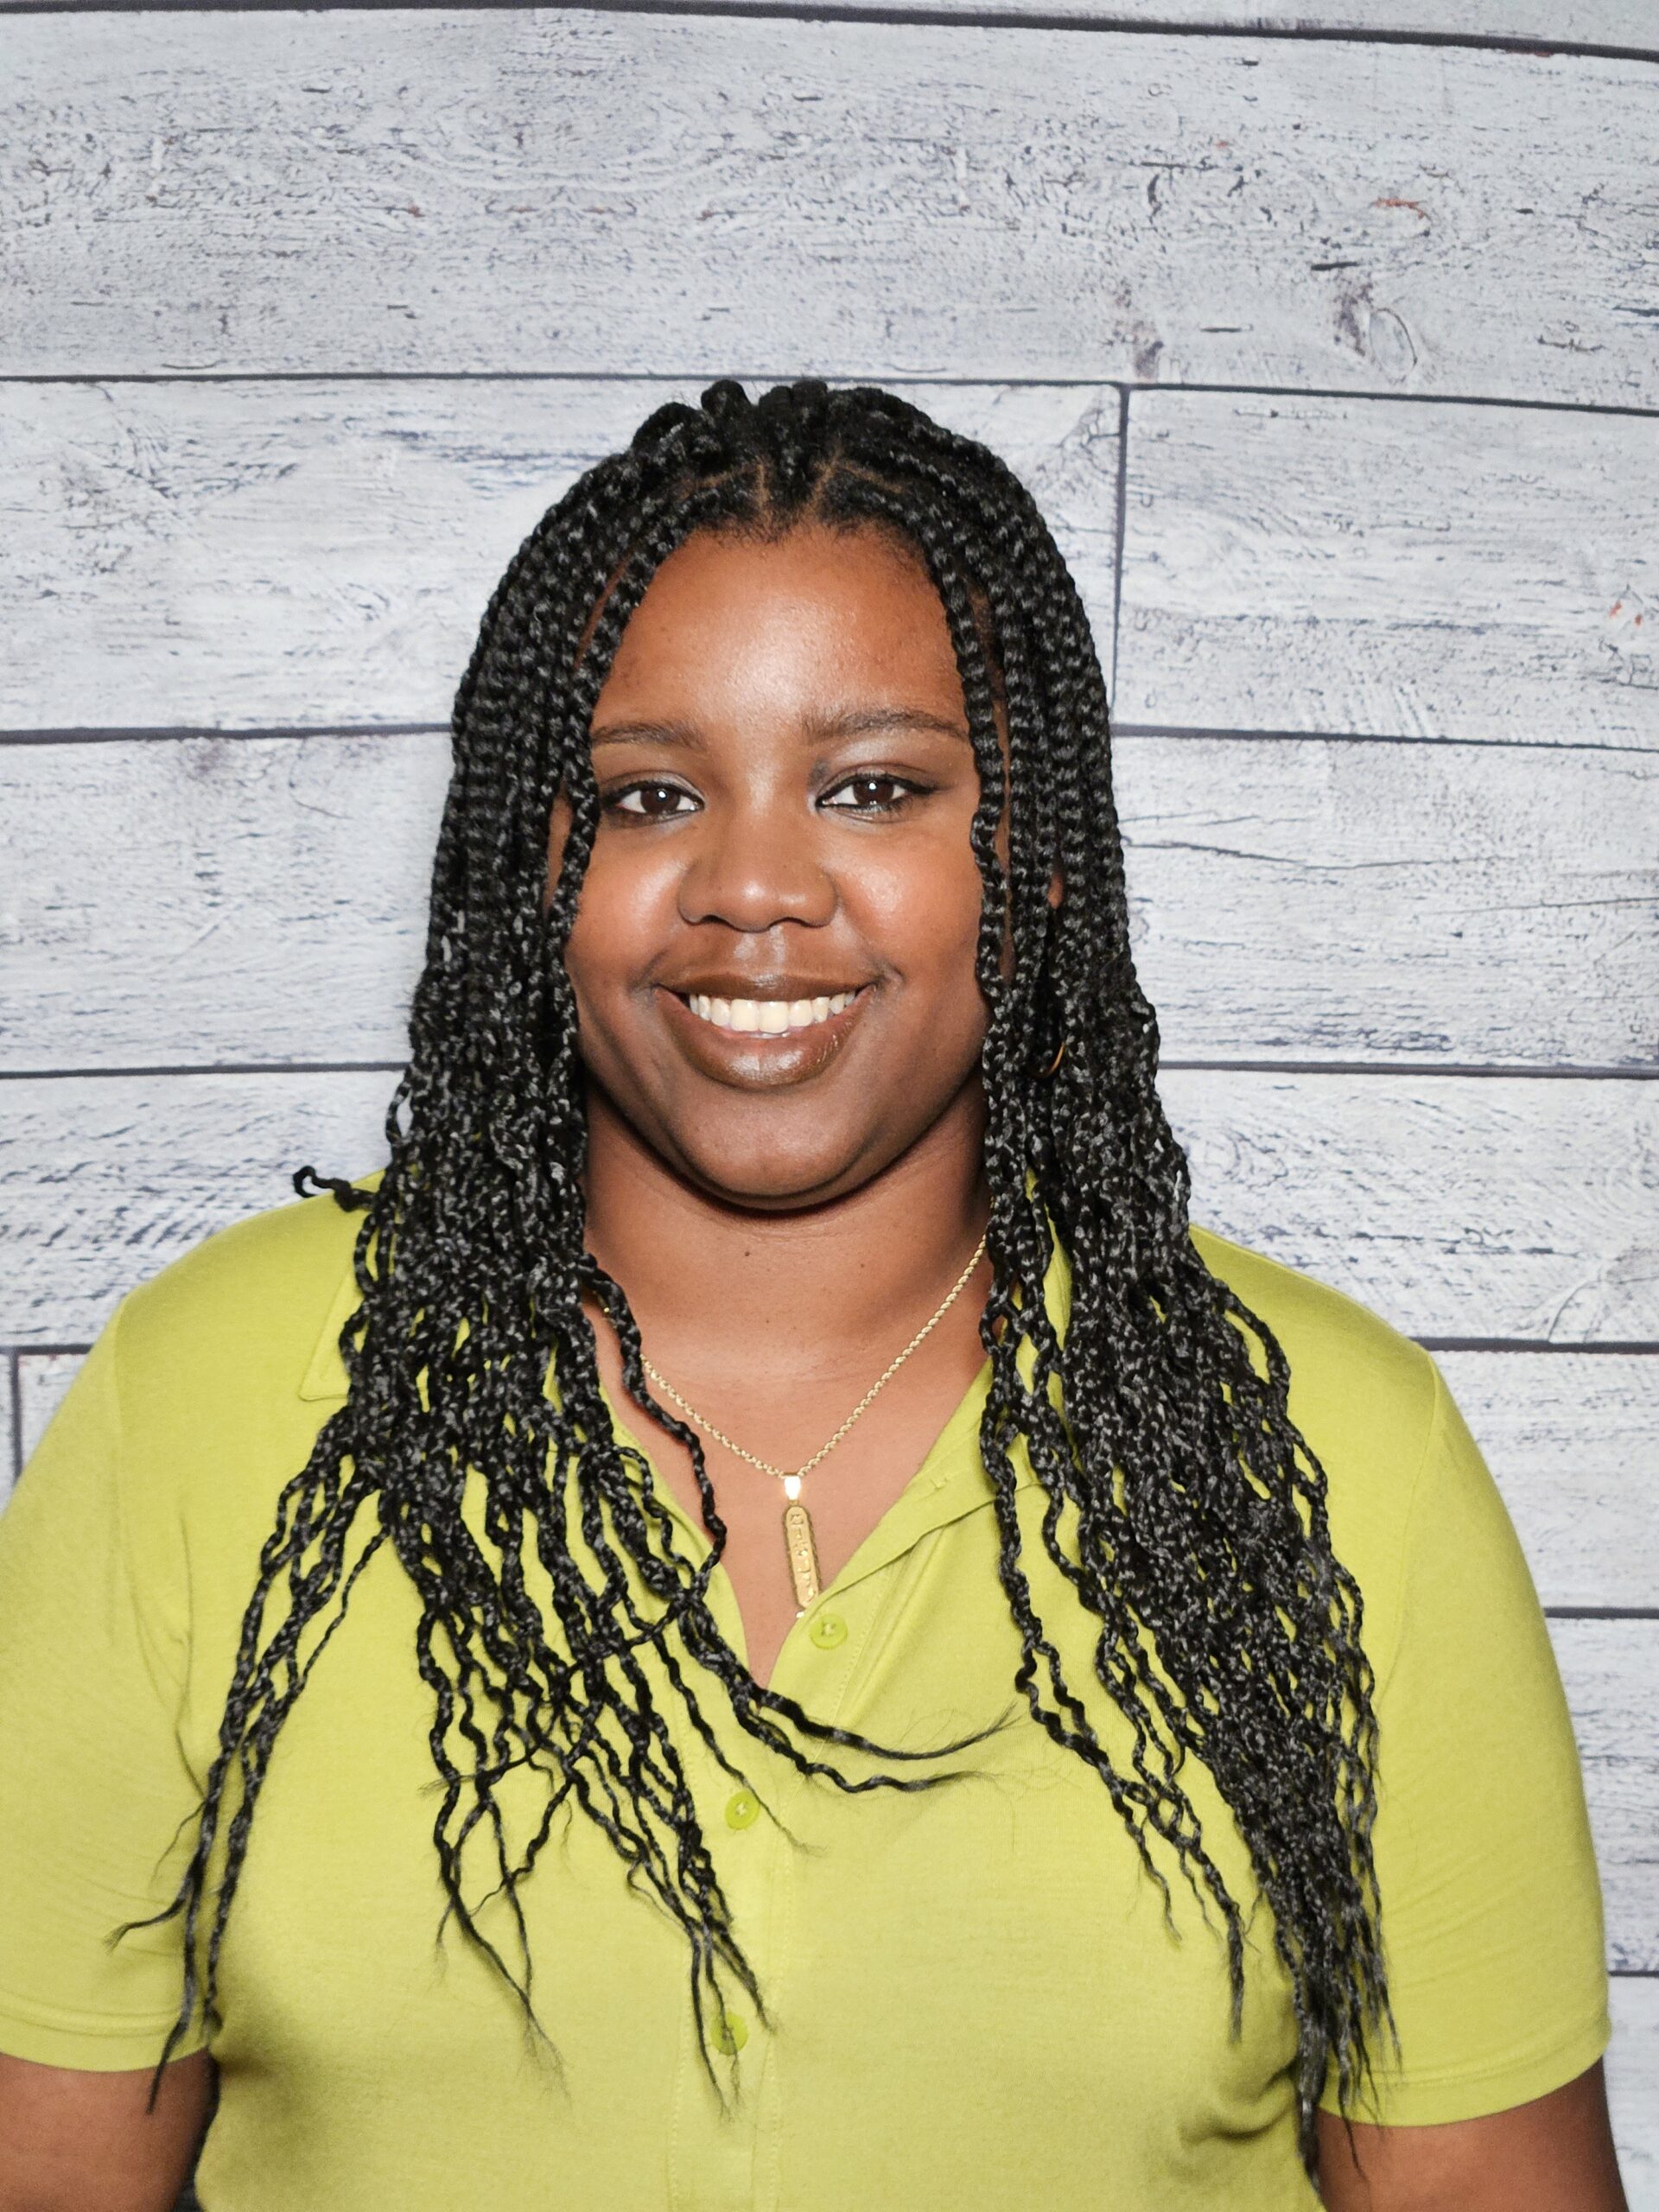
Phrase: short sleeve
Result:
[1491,1904]
[94,1785]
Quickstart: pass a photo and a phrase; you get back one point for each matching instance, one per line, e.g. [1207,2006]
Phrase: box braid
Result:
[1194,1535]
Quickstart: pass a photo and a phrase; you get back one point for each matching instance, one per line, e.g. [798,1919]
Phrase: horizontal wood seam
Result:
[803,12]
[1127,386]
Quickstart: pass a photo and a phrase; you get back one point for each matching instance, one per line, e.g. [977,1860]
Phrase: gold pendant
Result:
[802,1554]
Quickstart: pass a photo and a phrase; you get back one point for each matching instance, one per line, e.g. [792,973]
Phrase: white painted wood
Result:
[1609,1668]
[1589,23]
[585,214]
[42,1378]
[10,1442]
[1633,2088]
[1489,1208]
[217,555]
[1572,1438]
[244,899]
[1492,1208]
[1572,1441]
[553,189]
[217,899]
[1598,22]
[1437,570]
[1319,900]
[103,1180]
[238,556]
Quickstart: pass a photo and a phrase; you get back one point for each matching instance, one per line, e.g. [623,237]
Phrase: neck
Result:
[818,1289]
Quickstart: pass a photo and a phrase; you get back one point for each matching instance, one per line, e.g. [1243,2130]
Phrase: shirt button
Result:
[731,2032]
[742,1810]
[828,1630]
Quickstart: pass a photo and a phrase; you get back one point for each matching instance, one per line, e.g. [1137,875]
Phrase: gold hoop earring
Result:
[1055,1062]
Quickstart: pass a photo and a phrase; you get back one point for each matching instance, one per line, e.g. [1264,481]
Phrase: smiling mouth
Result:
[767,1017]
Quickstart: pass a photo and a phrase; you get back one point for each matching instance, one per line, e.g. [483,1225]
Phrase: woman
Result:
[899,1670]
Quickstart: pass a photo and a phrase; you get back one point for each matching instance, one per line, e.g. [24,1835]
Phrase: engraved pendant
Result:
[802,1554]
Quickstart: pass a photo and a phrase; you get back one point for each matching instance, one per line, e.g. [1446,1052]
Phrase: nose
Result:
[752,867]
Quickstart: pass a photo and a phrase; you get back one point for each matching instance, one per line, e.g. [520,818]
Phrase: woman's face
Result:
[773,955]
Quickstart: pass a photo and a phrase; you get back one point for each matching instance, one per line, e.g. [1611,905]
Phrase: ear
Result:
[1057,888]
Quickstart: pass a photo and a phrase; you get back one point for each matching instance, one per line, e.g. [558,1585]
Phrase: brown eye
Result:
[875,792]
[651,802]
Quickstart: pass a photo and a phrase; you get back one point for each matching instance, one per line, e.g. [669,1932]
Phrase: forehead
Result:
[818,613]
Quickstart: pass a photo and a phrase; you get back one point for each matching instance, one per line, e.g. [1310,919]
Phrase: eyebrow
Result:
[856,722]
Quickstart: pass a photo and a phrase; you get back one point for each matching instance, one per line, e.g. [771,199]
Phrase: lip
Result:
[747,1060]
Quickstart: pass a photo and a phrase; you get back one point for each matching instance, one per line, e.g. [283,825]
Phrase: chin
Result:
[773,1181]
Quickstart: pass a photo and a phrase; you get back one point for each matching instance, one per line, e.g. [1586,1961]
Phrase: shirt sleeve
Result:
[1490,1901]
[94,1787]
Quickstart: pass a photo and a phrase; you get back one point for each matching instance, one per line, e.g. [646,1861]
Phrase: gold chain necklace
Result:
[800,1543]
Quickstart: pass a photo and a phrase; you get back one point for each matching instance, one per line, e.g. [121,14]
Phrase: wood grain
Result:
[554,189]
[1590,23]
[17,1439]
[1439,570]
[1633,2088]
[42,1378]
[243,555]
[400,274]
[1561,23]
[1572,1438]
[247,900]
[1609,1668]
[1503,1207]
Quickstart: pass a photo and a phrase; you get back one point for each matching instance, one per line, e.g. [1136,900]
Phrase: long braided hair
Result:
[1195,1511]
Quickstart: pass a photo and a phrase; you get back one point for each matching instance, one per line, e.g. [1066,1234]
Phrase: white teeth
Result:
[768,1017]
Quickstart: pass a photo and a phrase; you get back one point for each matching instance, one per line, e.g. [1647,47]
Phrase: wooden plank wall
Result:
[1328,338]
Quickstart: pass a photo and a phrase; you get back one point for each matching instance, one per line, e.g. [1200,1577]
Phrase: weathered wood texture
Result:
[1497,1208]
[1572,1440]
[1633,2088]
[238,555]
[245,899]
[1562,22]
[556,189]
[1453,571]
[1627,24]
[41,1379]
[17,1437]
[1609,1668]
[290,534]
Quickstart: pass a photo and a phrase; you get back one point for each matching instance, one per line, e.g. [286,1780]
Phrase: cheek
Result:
[924,911]
[623,913]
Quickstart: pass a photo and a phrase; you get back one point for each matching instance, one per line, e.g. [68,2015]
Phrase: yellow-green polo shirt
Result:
[975,1998]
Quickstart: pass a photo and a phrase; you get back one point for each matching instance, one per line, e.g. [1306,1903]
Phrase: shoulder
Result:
[238,1316]
[1334,1343]
[1367,1400]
